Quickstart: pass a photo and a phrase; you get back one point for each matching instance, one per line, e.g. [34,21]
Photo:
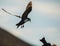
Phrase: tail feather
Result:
[17,25]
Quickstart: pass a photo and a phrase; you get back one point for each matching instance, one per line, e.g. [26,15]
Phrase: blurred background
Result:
[45,17]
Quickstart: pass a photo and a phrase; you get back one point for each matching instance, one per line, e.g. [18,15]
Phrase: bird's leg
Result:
[22,26]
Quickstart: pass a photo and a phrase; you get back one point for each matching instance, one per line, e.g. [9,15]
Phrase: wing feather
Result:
[10,13]
[27,11]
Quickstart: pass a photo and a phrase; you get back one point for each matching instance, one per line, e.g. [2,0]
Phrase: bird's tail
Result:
[17,25]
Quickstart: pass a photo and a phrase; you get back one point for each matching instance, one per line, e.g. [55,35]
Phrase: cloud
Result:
[49,8]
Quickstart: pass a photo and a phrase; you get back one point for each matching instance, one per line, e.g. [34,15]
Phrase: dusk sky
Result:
[45,20]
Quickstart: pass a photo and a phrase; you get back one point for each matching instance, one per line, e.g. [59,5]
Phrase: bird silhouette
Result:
[24,17]
[45,42]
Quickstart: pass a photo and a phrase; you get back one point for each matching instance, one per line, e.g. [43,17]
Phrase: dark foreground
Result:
[7,39]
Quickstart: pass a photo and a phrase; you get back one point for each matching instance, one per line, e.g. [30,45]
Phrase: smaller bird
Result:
[45,42]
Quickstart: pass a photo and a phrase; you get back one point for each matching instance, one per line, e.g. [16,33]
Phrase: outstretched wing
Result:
[10,13]
[27,11]
[29,5]
[6,11]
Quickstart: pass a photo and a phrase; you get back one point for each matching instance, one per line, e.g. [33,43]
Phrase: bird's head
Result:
[29,19]
[43,39]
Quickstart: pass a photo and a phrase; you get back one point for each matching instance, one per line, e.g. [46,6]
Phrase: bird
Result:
[24,17]
[45,42]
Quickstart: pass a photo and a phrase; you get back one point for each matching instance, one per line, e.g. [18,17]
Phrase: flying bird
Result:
[24,17]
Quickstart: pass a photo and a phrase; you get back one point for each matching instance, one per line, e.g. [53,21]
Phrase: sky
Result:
[45,20]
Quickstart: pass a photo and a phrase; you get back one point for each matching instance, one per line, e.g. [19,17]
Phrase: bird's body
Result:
[24,17]
[20,23]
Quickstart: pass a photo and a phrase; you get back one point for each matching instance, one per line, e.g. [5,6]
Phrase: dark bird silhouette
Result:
[45,42]
[24,17]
